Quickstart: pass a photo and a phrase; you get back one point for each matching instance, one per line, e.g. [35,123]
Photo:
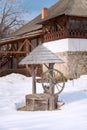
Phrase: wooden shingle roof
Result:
[62,7]
[68,7]
[41,55]
[30,27]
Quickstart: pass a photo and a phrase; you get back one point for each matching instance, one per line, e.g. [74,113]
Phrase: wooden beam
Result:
[12,52]
[28,42]
[19,49]
[20,38]
[33,79]
[51,66]
[26,47]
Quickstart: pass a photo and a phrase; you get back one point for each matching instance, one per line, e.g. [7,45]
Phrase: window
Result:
[72,24]
[85,25]
[78,24]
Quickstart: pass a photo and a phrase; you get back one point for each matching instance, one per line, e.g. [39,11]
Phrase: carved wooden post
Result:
[33,79]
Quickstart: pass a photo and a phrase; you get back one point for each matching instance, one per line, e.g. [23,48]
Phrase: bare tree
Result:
[10,17]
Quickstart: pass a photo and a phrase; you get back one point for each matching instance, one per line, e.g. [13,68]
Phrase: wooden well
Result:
[45,100]
[41,102]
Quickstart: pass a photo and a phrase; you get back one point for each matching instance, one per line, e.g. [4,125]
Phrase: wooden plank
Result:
[13,52]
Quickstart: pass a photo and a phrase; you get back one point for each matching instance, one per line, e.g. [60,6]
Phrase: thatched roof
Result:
[62,7]
[41,55]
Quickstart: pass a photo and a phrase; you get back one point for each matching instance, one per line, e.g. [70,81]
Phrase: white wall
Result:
[57,46]
[77,44]
[69,44]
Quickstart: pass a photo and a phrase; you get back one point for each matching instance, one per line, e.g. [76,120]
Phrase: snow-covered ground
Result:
[72,116]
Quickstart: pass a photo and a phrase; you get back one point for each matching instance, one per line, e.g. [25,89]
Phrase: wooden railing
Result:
[55,35]
[77,33]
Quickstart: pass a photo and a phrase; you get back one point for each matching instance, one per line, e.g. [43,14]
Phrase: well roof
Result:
[41,55]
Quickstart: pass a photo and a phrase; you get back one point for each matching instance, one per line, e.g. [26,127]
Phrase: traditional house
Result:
[63,29]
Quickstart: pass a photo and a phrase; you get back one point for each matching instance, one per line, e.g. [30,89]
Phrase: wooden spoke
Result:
[53,78]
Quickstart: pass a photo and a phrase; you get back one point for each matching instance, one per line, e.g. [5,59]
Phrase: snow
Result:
[72,116]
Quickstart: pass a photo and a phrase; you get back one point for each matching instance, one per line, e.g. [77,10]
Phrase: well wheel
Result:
[54,78]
